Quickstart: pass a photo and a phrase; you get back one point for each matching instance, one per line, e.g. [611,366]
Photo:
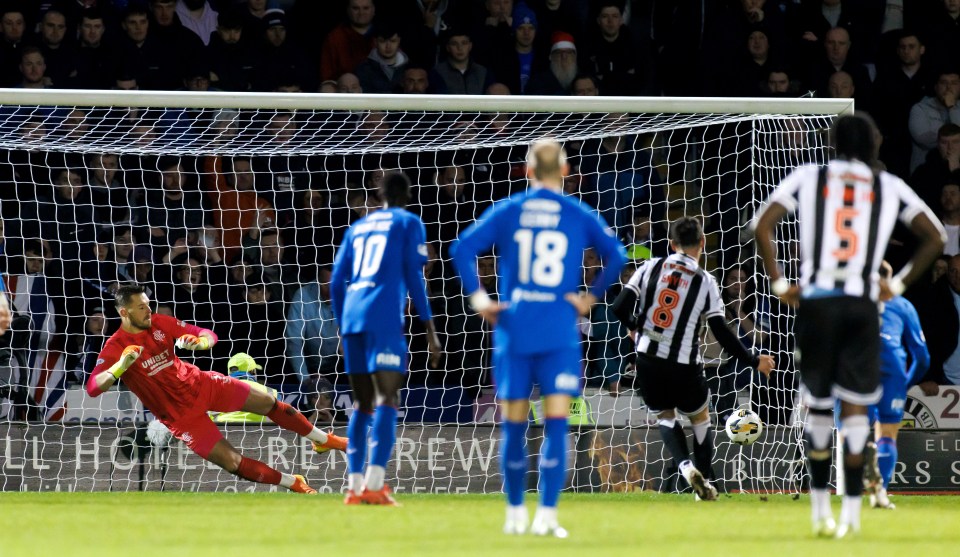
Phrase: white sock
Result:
[287,480]
[546,514]
[355,482]
[374,480]
[820,504]
[318,436]
[700,431]
[850,513]
[516,513]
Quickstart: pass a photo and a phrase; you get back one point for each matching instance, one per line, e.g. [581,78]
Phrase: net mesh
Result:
[231,218]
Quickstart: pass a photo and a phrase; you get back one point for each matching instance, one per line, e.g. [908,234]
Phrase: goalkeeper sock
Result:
[256,471]
[384,436]
[357,430]
[886,458]
[553,460]
[513,460]
[289,418]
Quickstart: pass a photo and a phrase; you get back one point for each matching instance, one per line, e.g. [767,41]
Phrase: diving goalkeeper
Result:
[179,394]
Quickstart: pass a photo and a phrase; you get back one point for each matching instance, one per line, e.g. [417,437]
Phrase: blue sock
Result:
[357,430]
[886,458]
[553,460]
[513,460]
[384,434]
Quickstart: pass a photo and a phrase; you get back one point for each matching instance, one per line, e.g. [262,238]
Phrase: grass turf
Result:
[284,524]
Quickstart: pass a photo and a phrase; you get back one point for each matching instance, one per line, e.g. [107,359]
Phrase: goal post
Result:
[229,207]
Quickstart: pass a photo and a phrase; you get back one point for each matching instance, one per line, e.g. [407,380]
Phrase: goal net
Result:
[229,209]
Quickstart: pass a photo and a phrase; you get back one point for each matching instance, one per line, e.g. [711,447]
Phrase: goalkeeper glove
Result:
[129,355]
[193,342]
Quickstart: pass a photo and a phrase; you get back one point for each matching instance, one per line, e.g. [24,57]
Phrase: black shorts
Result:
[838,351]
[665,385]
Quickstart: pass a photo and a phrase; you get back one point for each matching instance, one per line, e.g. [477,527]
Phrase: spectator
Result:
[756,66]
[491,29]
[252,15]
[898,87]
[837,58]
[154,61]
[607,342]
[349,83]
[611,53]
[277,271]
[447,205]
[231,56]
[940,321]
[950,216]
[939,268]
[459,74]
[317,402]
[236,205]
[31,301]
[33,69]
[840,86]
[421,24]
[313,340]
[199,17]
[13,24]
[258,329]
[563,68]
[95,335]
[585,86]
[557,15]
[943,27]
[383,70]
[281,178]
[107,192]
[778,83]
[497,89]
[469,339]
[93,55]
[516,63]
[196,78]
[58,50]
[415,81]
[942,165]
[279,58]
[173,210]
[169,29]
[928,115]
[349,43]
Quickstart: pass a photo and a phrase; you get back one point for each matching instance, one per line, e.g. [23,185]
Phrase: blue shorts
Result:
[557,372]
[890,408]
[375,351]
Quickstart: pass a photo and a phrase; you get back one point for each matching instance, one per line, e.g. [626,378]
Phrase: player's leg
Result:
[655,386]
[364,396]
[383,435]
[693,400]
[289,418]
[514,383]
[889,415]
[857,385]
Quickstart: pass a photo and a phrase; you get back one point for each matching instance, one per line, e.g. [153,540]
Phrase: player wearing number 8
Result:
[540,237]
[664,302]
[380,260]
[846,211]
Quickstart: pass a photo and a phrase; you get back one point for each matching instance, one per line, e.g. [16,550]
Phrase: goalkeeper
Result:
[179,394]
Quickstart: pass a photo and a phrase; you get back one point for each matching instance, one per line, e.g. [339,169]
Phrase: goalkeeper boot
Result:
[880,500]
[517,520]
[381,496]
[352,499]
[872,480]
[334,442]
[545,523]
[300,485]
[703,489]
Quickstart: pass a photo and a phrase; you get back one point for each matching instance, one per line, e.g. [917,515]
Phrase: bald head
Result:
[547,160]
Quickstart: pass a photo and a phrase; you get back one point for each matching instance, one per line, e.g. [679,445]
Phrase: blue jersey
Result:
[380,260]
[540,236]
[900,333]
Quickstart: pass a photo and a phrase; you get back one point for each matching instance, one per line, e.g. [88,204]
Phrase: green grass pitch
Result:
[283,524]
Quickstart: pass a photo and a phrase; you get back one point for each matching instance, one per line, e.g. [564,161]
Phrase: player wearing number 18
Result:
[664,302]
[846,211]
[540,237]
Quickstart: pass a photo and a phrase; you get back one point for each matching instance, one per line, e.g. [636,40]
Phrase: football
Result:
[744,427]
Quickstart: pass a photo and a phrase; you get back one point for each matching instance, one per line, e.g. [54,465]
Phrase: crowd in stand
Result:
[243,245]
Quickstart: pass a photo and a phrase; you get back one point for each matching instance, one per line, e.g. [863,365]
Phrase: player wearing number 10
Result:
[540,236]
[380,260]
[846,211]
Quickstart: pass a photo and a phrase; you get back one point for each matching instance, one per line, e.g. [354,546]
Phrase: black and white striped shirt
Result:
[846,214]
[673,295]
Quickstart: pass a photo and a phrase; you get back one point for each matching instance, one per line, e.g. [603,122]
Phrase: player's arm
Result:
[340,276]
[625,305]
[476,239]
[414,259]
[763,363]
[782,201]
[107,373]
[196,338]
[915,344]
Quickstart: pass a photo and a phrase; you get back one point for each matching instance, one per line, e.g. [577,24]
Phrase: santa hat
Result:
[561,41]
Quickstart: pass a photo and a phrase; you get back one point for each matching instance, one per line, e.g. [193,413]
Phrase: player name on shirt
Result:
[540,213]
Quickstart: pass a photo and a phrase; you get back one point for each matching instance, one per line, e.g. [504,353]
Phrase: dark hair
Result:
[853,137]
[135,9]
[395,189]
[386,30]
[229,19]
[125,293]
[686,232]
[92,12]
[33,245]
[948,129]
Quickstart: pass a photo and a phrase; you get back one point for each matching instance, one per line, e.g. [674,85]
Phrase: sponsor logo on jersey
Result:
[567,382]
[384,359]
[157,363]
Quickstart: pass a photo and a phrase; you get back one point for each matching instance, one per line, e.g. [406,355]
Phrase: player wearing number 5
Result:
[846,212]
[380,260]
[539,236]
[665,301]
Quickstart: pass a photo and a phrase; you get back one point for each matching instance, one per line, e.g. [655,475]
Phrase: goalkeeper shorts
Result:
[218,393]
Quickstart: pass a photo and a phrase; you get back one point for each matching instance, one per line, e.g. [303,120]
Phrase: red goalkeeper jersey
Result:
[165,384]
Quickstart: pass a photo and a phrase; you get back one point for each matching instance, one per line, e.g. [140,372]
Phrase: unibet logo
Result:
[567,382]
[388,360]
